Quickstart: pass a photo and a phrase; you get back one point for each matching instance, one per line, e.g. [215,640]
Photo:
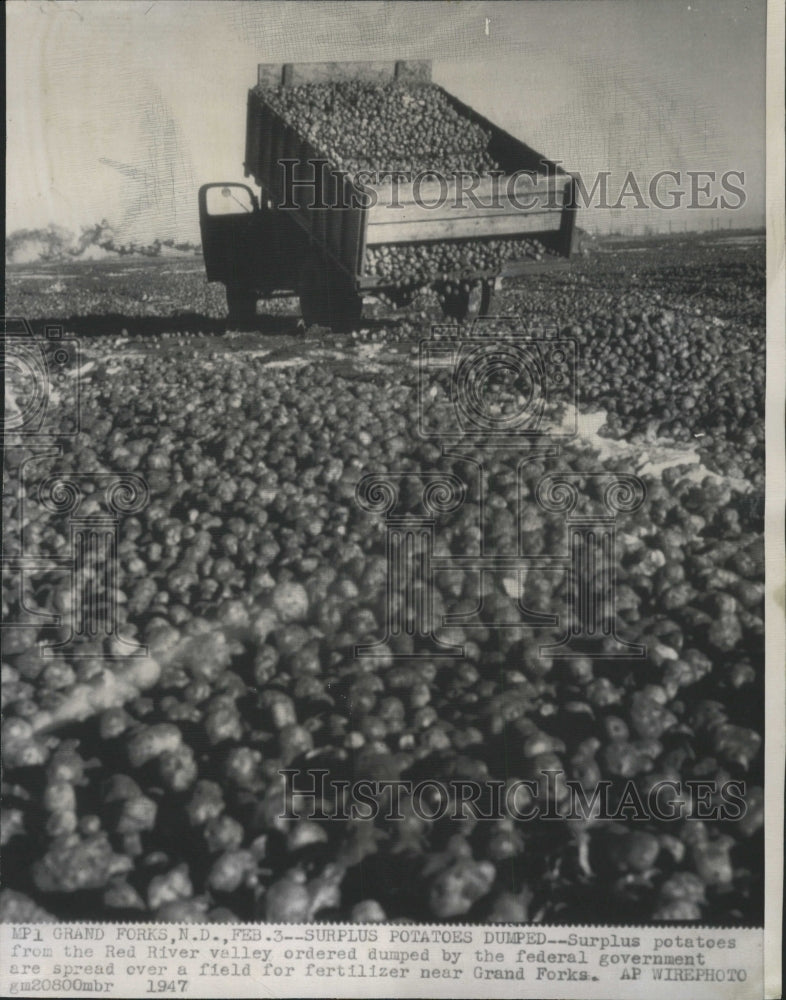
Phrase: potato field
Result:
[149,787]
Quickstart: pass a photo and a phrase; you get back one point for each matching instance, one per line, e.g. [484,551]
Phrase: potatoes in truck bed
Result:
[408,164]
[392,125]
[413,262]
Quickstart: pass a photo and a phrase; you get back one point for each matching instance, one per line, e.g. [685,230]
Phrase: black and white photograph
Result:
[393,499]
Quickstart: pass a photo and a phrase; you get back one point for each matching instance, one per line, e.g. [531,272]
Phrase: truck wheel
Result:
[467,301]
[327,297]
[242,307]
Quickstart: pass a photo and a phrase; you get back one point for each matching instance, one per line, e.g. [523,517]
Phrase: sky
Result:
[120,109]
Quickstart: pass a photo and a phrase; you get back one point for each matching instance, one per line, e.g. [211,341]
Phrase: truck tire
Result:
[468,301]
[327,297]
[241,306]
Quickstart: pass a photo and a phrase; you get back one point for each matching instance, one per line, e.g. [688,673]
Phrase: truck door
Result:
[228,220]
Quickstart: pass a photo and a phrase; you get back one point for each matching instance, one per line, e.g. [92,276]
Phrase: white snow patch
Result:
[649,458]
[288,363]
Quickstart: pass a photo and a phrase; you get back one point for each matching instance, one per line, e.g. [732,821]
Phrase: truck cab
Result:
[249,248]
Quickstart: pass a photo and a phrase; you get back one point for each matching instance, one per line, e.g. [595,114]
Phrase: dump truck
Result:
[313,230]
